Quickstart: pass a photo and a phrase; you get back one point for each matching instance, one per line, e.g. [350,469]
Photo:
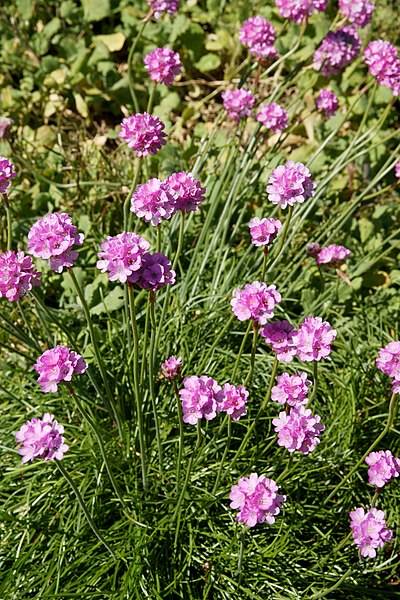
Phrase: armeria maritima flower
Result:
[358,12]
[41,438]
[186,190]
[255,301]
[337,50]
[300,10]
[273,116]
[397,170]
[143,133]
[383,467]
[279,335]
[258,35]
[369,530]
[155,272]
[291,389]
[327,102]
[17,275]
[171,367]
[7,172]
[257,499]
[238,103]
[290,183]
[234,401]
[54,237]
[313,339]
[153,201]
[200,398]
[159,7]
[384,64]
[332,255]
[388,360]
[121,256]
[57,365]
[163,65]
[264,231]
[298,430]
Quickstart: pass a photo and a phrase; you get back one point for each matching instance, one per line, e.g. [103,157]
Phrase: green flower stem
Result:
[151,98]
[158,243]
[315,386]
[126,212]
[264,263]
[130,58]
[249,377]
[226,450]
[180,239]
[244,340]
[282,238]
[181,438]
[151,370]
[145,340]
[326,592]
[9,223]
[240,555]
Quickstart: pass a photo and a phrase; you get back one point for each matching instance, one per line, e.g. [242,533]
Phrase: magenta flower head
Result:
[144,133]
[298,430]
[238,103]
[163,65]
[384,64]
[327,102]
[200,398]
[56,365]
[313,249]
[153,201]
[258,35]
[388,360]
[41,438]
[397,170]
[273,116]
[337,50]
[234,401]
[171,368]
[159,7]
[7,172]
[291,389]
[5,124]
[17,275]
[332,256]
[121,256]
[264,231]
[299,10]
[54,237]
[155,272]
[289,184]
[383,467]
[358,12]
[279,335]
[313,339]
[255,301]
[186,190]
[369,530]
[257,499]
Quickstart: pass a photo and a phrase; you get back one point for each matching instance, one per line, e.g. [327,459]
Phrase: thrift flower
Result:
[56,365]
[264,231]
[186,190]
[313,339]
[155,272]
[291,389]
[388,360]
[160,7]
[384,64]
[7,172]
[383,466]
[358,12]
[298,430]
[238,103]
[273,116]
[200,398]
[41,438]
[369,530]
[337,50]
[171,367]
[257,499]
[299,10]
[255,301]
[258,35]
[121,256]
[163,65]
[144,133]
[17,275]
[289,184]
[332,255]
[279,335]
[153,201]
[234,401]
[327,102]
[313,249]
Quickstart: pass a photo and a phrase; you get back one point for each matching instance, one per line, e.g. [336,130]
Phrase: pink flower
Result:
[289,184]
[41,438]
[383,466]
[358,12]
[264,231]
[17,275]
[155,272]
[171,367]
[255,301]
[257,499]
[327,102]
[273,116]
[291,389]
[121,256]
[186,190]
[299,10]
[144,133]
[337,50]
[384,64]
[279,335]
[153,201]
[234,401]
[163,65]
[313,249]
[388,360]
[369,530]
[200,398]
[159,7]
[298,430]
[54,237]
[332,255]
[7,172]
[397,170]
[313,339]
[258,35]
[56,365]
[238,103]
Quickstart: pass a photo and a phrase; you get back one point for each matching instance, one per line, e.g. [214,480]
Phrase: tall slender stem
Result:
[129,195]
[253,355]
[130,58]
[239,356]
[151,98]
[181,437]
[180,239]
[282,238]
[315,386]
[9,225]
[151,370]
[226,450]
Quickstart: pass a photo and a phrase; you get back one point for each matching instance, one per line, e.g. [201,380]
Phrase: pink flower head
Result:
[5,124]
[264,231]
[255,301]
[153,201]
[299,10]
[144,133]
[327,102]
[279,335]
[397,170]
[273,116]
[200,398]
[56,365]
[41,438]
[290,183]
[186,190]
[54,237]
[7,172]
[171,367]
[258,35]
[337,50]
[298,430]
[383,466]
[163,65]
[369,530]
[155,272]
[358,12]
[313,249]
[291,389]
[238,103]
[234,401]
[332,255]
[257,499]
[388,360]
[159,7]
[17,275]
[121,256]
[313,339]
[384,64]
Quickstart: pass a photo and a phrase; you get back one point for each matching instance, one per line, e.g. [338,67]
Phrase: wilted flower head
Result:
[369,530]
[313,249]
[186,190]
[5,124]
[144,133]
[397,170]
[383,466]
[258,35]
[54,237]
[41,438]
[163,6]
[313,339]
[289,184]
[238,103]
[255,301]
[155,272]
[358,12]
[17,275]
[163,65]
[384,64]
[171,367]
[56,365]
[200,398]
[264,231]
[291,389]
[153,201]
[273,116]
[299,10]
[279,335]
[121,256]
[388,360]
[7,172]
[298,430]
[327,102]
[234,401]
[332,255]
[257,499]
[337,50]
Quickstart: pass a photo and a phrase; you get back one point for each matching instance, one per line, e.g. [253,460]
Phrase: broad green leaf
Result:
[208,62]
[95,10]
[113,41]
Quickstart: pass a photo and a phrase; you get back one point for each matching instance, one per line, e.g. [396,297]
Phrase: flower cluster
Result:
[156,272]
[255,301]
[238,103]
[121,256]
[144,133]
[383,467]
[273,116]
[298,430]
[300,10]
[289,184]
[358,12]
[337,50]
[332,255]
[291,389]
[258,35]
[257,499]
[17,275]
[56,365]
[163,65]
[264,231]
[159,7]
[171,367]
[388,361]
[234,401]
[54,237]
[187,191]
[313,339]
[7,172]
[279,335]
[369,530]
[327,102]
[384,64]
[41,438]
[202,397]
